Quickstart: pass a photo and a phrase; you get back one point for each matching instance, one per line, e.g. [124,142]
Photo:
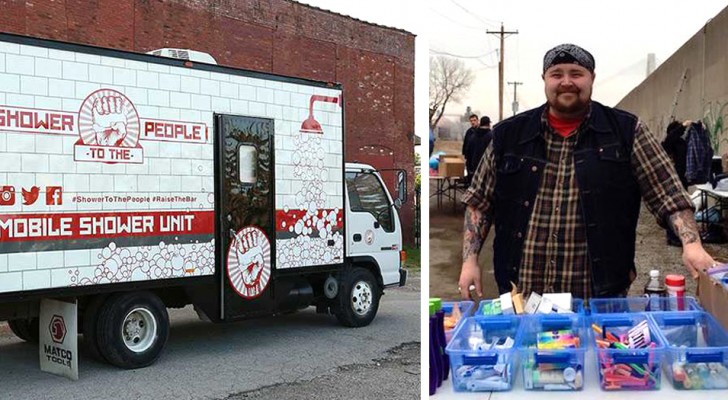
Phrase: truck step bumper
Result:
[402,277]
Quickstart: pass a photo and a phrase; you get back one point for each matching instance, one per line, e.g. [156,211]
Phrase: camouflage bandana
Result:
[568,54]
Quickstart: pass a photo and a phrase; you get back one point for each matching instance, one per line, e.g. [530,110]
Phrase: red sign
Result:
[174,131]
[58,329]
[37,121]
[31,227]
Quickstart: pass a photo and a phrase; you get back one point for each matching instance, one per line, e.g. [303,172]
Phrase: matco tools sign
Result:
[58,338]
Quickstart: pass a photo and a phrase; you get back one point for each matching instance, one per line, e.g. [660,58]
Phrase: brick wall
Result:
[375,64]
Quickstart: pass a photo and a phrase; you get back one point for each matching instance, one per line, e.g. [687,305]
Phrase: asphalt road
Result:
[303,356]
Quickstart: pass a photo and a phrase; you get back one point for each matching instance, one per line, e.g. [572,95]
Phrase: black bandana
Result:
[568,54]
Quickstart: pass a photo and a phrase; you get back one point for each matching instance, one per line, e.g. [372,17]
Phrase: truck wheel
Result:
[25,329]
[358,299]
[132,329]
[90,323]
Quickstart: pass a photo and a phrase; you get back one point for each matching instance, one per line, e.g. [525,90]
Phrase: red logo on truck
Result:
[109,128]
[248,262]
[7,195]
[54,195]
[30,196]
[57,329]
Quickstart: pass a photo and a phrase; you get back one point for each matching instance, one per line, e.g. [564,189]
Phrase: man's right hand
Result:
[470,275]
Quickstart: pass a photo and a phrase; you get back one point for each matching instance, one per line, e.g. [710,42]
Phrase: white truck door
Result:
[373,224]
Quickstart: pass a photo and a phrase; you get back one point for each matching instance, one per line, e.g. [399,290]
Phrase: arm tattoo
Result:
[684,225]
[476,229]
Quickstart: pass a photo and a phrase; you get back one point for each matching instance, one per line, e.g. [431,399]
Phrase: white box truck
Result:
[132,183]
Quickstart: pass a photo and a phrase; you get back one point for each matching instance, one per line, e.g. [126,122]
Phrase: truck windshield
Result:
[366,194]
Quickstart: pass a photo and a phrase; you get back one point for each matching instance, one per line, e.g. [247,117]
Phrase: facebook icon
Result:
[54,195]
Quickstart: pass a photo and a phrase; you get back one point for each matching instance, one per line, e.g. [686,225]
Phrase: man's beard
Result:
[574,107]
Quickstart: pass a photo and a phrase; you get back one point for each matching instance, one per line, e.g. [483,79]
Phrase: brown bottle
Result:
[654,291]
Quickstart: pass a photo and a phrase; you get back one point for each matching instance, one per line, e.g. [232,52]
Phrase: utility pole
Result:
[515,99]
[502,34]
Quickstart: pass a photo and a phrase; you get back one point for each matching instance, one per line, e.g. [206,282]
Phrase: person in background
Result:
[563,183]
[432,141]
[677,149]
[474,147]
[474,123]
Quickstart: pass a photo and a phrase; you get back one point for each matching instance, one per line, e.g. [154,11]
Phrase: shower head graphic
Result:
[310,125]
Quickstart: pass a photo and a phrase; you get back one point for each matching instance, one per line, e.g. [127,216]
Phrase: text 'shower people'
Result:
[562,186]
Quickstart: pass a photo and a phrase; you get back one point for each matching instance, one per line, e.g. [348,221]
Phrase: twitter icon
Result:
[30,196]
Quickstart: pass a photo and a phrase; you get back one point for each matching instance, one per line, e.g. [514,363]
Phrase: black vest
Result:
[609,195]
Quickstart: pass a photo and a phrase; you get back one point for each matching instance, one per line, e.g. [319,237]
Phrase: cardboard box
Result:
[713,298]
[452,165]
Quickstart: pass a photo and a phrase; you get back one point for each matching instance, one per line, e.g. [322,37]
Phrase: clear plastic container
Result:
[627,368]
[637,305]
[697,350]
[483,353]
[545,363]
[466,309]
[577,306]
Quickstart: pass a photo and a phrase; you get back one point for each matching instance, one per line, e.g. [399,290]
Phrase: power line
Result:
[476,16]
[459,23]
[445,53]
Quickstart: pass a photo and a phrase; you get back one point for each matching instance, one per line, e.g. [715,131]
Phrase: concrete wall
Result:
[704,94]
[375,64]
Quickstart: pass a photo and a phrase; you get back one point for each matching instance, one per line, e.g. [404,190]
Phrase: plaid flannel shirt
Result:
[555,254]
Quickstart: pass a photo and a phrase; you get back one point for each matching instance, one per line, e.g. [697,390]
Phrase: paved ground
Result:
[446,228]
[396,376]
[302,356]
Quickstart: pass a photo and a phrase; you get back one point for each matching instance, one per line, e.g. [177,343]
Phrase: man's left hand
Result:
[696,259]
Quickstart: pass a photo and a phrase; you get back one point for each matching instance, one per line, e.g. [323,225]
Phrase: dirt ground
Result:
[446,224]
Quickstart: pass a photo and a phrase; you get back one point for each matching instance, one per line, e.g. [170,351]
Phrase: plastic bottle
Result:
[435,339]
[654,290]
[434,356]
[441,338]
[675,285]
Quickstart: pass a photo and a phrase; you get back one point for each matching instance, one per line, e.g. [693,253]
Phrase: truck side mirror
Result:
[401,188]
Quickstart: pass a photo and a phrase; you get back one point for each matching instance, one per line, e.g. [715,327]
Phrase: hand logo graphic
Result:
[249,253]
[109,121]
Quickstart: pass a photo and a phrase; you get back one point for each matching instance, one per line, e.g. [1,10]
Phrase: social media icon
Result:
[7,195]
[30,196]
[54,195]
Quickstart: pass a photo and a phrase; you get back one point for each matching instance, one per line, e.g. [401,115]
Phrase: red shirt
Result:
[564,127]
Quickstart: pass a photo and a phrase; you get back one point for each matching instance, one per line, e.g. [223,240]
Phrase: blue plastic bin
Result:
[466,310]
[639,304]
[630,368]
[552,369]
[577,306]
[697,350]
[476,364]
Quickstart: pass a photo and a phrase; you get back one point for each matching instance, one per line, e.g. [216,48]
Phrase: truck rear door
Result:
[244,170]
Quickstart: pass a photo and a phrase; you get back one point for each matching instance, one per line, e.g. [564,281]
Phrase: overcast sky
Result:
[410,15]
[619,33]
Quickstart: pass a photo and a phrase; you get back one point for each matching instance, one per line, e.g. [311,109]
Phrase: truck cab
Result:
[374,231]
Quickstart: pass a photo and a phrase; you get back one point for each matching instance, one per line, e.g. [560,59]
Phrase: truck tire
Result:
[358,299]
[89,327]
[132,329]
[25,329]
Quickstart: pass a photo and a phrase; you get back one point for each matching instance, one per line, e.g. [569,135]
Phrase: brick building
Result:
[375,64]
